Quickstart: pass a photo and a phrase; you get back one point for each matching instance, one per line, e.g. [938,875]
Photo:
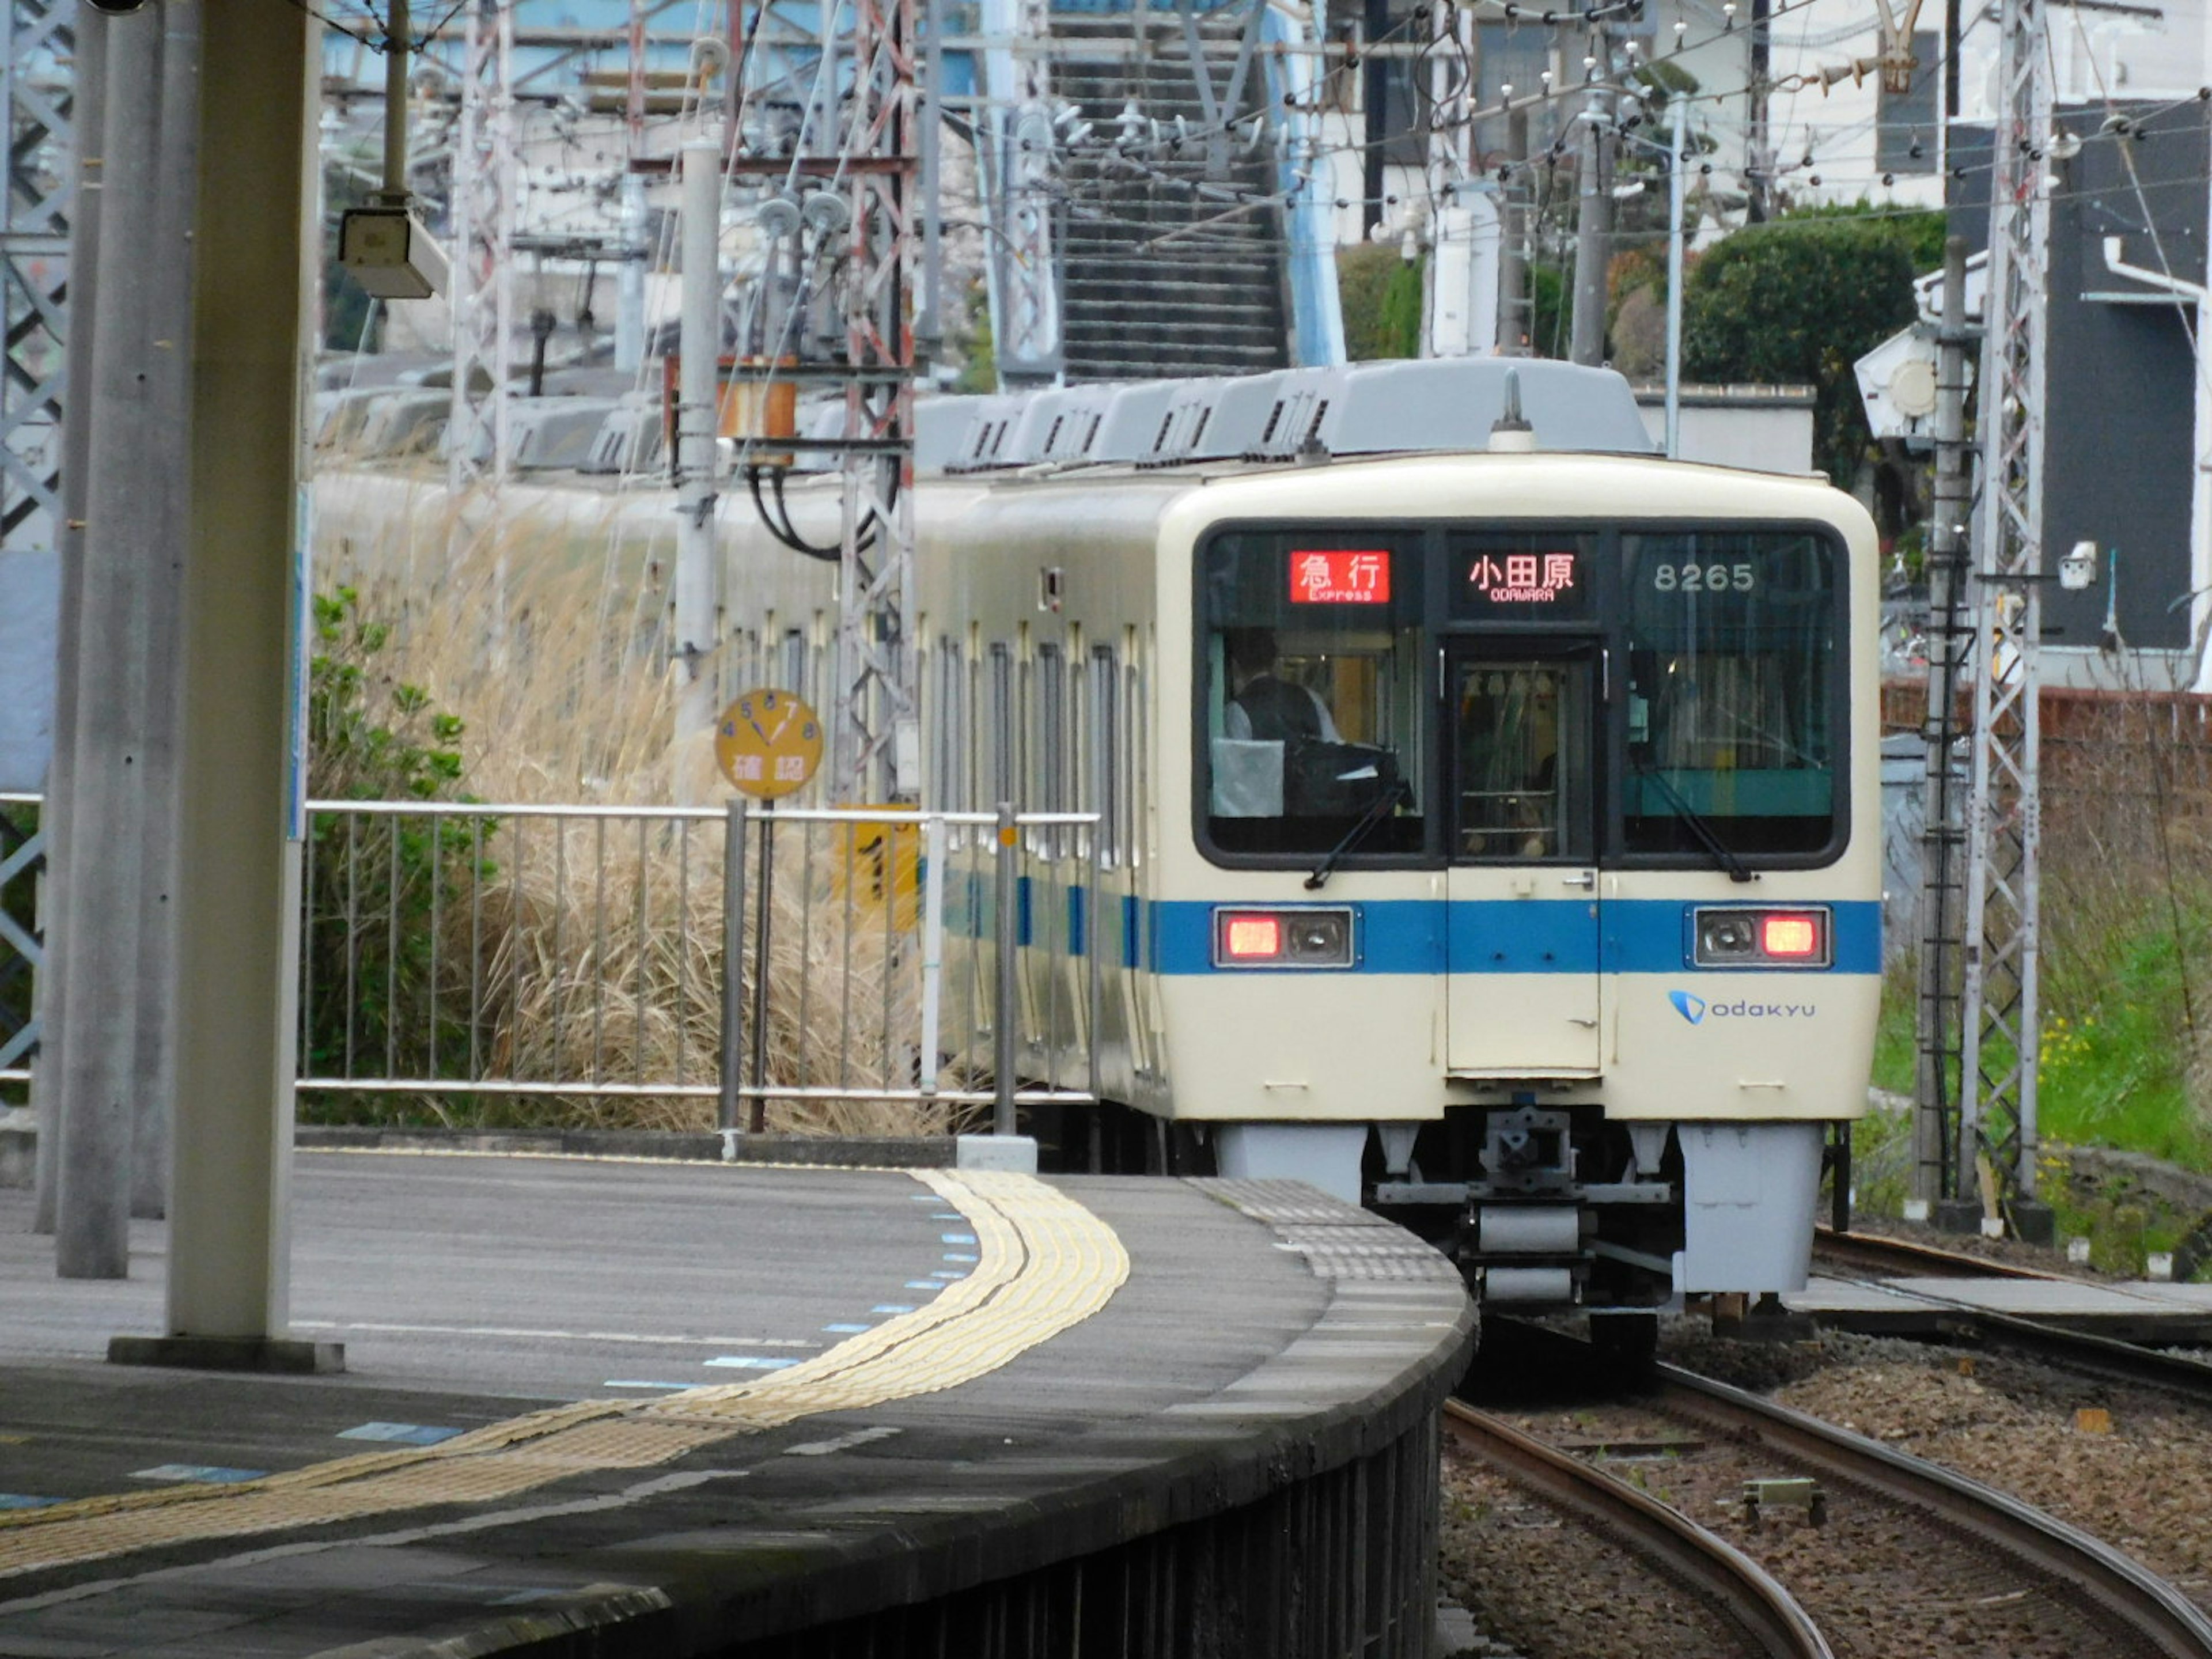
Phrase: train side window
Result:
[1105,754]
[1140,754]
[1051,751]
[949,725]
[1001,773]
[1311,698]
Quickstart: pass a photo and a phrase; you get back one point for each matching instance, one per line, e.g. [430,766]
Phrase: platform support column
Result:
[241,782]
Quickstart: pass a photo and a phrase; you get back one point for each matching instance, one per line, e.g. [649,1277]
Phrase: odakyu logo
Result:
[1697,1010]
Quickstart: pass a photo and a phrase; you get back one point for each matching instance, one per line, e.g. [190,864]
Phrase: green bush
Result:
[1797,301]
[369,945]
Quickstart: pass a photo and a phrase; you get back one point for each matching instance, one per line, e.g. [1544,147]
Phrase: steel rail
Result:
[2165,1620]
[1767,1613]
[1874,1253]
[2108,1357]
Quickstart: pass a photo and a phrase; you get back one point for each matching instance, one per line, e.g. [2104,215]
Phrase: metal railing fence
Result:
[452,950]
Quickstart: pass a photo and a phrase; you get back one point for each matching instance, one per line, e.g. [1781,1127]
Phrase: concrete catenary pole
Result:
[110,814]
[48,1099]
[1516,331]
[1593,237]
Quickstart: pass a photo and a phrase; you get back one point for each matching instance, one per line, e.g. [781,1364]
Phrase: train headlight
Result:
[1796,938]
[1306,936]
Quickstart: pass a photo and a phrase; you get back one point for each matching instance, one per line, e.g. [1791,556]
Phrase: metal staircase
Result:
[1166,271]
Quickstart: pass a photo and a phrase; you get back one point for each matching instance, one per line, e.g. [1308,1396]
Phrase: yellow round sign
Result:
[767,743]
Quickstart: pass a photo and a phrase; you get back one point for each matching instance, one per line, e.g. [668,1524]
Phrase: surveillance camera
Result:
[2078,570]
[390,255]
[118,8]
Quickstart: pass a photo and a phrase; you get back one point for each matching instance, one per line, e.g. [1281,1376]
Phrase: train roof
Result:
[1426,406]
[1435,485]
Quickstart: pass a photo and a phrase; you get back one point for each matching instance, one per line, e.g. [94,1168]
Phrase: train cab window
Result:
[1309,692]
[1734,694]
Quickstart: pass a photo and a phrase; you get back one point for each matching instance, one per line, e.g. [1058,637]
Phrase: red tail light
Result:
[1733,937]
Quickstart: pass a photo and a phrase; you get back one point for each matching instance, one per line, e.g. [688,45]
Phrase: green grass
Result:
[2119,1068]
[2115,1052]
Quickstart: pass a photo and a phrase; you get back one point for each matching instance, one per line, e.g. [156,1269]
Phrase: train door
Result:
[1522,929]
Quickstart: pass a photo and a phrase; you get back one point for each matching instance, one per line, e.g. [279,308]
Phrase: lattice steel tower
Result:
[2000,1018]
[485,180]
[34,239]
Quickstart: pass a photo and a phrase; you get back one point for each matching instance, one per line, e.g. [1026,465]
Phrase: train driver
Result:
[1263,707]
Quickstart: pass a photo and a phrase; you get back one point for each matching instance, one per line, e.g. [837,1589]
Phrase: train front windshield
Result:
[1654,697]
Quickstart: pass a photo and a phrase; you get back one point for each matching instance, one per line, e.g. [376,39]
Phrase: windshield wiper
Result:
[1695,820]
[1396,790]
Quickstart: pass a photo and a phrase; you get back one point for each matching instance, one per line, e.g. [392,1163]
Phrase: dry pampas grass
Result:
[572,950]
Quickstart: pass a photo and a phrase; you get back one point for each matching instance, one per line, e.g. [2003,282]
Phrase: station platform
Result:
[2127,1311]
[651,1408]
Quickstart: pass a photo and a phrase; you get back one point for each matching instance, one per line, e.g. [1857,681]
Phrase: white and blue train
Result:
[1494,829]
[1489,820]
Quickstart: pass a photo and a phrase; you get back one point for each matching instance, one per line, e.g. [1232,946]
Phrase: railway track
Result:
[2053,1344]
[1745,1593]
[1882,1550]
[1899,1258]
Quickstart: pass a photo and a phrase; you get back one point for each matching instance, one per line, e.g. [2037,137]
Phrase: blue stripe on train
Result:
[1421,936]
[1513,936]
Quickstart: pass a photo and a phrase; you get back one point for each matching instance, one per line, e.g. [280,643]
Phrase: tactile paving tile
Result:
[1045,1263]
[1284,1202]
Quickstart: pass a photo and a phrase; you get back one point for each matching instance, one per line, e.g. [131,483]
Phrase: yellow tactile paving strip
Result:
[1044,1263]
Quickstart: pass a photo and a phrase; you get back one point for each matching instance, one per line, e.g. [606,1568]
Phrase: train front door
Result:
[1521,937]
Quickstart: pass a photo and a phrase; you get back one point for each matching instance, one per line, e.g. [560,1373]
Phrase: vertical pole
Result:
[1758,138]
[1094,942]
[1593,240]
[695,626]
[1513,328]
[763,932]
[629,302]
[241,782]
[1005,1001]
[1999,1015]
[933,945]
[109,821]
[1677,178]
[169,323]
[58,817]
[929,117]
[397,27]
[1941,838]
[1374,86]
[733,964]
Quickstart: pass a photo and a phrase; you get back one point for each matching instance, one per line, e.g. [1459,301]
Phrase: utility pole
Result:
[1374,97]
[1678,170]
[1593,232]
[1758,138]
[2000,1018]
[1942,838]
[1514,325]
[65,498]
